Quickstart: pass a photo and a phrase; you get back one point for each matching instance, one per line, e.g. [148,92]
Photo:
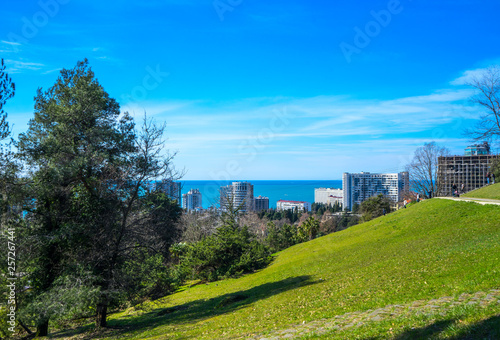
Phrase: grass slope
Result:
[433,249]
[490,192]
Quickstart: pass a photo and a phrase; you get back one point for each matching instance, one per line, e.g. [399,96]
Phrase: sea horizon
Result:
[295,190]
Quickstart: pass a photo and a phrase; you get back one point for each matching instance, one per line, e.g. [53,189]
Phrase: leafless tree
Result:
[487,97]
[424,167]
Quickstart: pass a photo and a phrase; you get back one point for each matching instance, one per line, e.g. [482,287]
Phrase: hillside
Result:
[430,269]
[489,192]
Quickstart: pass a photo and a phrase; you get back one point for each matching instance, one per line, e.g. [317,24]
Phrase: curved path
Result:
[472,199]
[429,308]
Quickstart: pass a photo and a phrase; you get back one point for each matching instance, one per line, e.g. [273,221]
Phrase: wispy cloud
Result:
[18,66]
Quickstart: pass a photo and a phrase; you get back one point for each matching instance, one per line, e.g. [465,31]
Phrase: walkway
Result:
[430,308]
[482,201]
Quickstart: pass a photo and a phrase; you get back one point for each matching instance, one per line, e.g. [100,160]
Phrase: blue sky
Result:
[255,89]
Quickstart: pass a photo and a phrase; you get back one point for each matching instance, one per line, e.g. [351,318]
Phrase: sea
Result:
[296,190]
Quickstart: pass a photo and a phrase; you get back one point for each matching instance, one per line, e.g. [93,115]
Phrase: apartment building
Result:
[192,200]
[261,203]
[358,187]
[238,195]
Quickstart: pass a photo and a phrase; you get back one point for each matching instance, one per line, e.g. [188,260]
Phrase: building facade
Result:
[238,195]
[192,200]
[261,203]
[170,188]
[471,171]
[358,187]
[328,196]
[478,149]
[292,205]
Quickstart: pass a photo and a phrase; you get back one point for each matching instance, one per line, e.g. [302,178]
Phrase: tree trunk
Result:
[100,320]
[42,329]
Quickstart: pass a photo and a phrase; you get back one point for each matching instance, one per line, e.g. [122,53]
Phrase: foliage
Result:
[89,199]
[308,230]
[374,207]
[145,275]
[487,97]
[495,169]
[423,169]
[230,252]
[320,208]
[291,216]
[279,238]
[7,90]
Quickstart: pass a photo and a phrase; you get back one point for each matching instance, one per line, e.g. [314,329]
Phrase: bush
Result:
[281,238]
[230,252]
[374,207]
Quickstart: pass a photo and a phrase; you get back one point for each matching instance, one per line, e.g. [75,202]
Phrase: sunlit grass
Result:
[490,191]
[433,249]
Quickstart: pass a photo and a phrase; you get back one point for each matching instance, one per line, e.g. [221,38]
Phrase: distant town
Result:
[468,171]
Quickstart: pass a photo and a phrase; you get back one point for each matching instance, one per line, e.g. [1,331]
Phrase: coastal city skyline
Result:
[259,90]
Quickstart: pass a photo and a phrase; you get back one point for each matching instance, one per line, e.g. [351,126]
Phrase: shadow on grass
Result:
[485,329]
[193,311]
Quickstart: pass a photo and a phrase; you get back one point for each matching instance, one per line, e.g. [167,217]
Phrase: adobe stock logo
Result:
[222,7]
[39,19]
[372,29]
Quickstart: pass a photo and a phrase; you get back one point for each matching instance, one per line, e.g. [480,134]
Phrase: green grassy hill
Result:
[490,192]
[431,270]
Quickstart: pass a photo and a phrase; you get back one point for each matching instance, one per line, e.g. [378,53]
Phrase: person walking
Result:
[462,187]
[493,177]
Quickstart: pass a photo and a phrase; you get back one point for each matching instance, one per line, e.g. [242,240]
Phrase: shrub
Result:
[230,252]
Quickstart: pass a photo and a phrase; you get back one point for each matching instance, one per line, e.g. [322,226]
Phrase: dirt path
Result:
[357,319]
[472,199]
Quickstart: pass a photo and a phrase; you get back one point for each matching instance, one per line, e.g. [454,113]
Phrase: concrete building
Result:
[328,196]
[237,194]
[261,203]
[469,170]
[291,205]
[478,149]
[358,187]
[192,200]
[169,187]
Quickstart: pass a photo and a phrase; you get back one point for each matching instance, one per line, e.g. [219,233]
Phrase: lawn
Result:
[490,191]
[433,249]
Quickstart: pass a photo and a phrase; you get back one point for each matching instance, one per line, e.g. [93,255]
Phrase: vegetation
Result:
[374,207]
[487,98]
[434,249]
[84,212]
[495,169]
[424,167]
[488,192]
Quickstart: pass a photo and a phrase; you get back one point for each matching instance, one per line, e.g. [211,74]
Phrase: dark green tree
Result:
[308,229]
[92,205]
[495,169]
[374,207]
[7,90]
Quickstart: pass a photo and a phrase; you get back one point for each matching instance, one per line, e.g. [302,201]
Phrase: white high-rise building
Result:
[359,187]
[239,194]
[328,196]
[192,200]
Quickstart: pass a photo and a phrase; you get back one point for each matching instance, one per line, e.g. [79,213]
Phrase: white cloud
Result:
[17,66]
